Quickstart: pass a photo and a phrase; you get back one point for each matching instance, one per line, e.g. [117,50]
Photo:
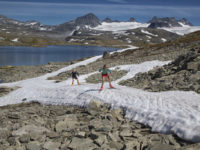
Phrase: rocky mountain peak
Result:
[185,22]
[156,22]
[131,19]
[107,19]
[88,19]
[2,17]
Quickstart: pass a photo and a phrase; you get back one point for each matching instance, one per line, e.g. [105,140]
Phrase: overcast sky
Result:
[54,12]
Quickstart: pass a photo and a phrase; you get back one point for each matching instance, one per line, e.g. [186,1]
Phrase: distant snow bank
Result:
[182,30]
[119,26]
[123,26]
[147,32]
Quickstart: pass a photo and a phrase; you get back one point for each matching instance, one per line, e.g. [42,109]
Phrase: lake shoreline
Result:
[33,56]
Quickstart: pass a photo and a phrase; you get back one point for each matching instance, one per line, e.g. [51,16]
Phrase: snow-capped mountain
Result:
[89,28]
[11,23]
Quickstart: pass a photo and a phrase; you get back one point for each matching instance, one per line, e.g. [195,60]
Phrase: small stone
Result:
[52,135]
[115,145]
[117,113]
[4,133]
[106,54]
[29,129]
[94,107]
[69,122]
[13,116]
[33,146]
[191,147]
[81,134]
[102,138]
[114,136]
[133,145]
[12,141]
[126,132]
[34,136]
[51,145]
[159,146]
[82,144]
[25,138]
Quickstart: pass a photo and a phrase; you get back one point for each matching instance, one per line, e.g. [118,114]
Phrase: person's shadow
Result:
[90,90]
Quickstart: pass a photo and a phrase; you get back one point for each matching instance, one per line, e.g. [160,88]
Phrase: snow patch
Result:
[163,39]
[149,37]
[183,25]
[2,38]
[120,33]
[15,40]
[118,26]
[42,29]
[182,30]
[96,34]
[146,32]
[73,40]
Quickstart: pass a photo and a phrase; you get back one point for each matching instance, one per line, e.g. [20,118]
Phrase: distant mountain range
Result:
[89,20]
[90,26]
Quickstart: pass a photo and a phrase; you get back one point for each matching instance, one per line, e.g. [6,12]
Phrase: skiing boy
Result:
[75,75]
[104,72]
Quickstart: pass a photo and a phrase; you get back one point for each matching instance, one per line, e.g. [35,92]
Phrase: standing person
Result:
[104,72]
[75,75]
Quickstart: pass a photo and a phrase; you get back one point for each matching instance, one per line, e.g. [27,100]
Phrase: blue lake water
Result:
[17,56]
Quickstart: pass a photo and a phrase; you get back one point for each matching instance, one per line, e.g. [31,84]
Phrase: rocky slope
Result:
[32,126]
[181,74]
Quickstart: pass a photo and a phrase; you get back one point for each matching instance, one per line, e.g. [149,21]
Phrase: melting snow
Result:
[183,25]
[146,32]
[118,26]
[182,30]
[42,29]
[149,37]
[173,111]
[15,40]
[163,39]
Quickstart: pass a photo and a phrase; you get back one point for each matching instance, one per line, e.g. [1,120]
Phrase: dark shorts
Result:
[74,77]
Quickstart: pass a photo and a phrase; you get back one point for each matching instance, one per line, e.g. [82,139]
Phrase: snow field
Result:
[121,27]
[166,112]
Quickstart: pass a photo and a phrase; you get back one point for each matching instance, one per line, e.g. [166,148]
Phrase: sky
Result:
[54,12]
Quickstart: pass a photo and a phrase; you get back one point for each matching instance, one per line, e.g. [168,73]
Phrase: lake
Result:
[17,56]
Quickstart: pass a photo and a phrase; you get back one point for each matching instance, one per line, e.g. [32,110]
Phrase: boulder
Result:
[106,54]
[82,144]
[51,145]
[33,146]
[29,129]
[69,122]
[94,107]
[160,146]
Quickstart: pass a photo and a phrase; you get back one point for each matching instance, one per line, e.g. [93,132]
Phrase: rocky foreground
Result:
[33,126]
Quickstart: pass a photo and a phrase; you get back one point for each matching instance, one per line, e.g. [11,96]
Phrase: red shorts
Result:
[104,75]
